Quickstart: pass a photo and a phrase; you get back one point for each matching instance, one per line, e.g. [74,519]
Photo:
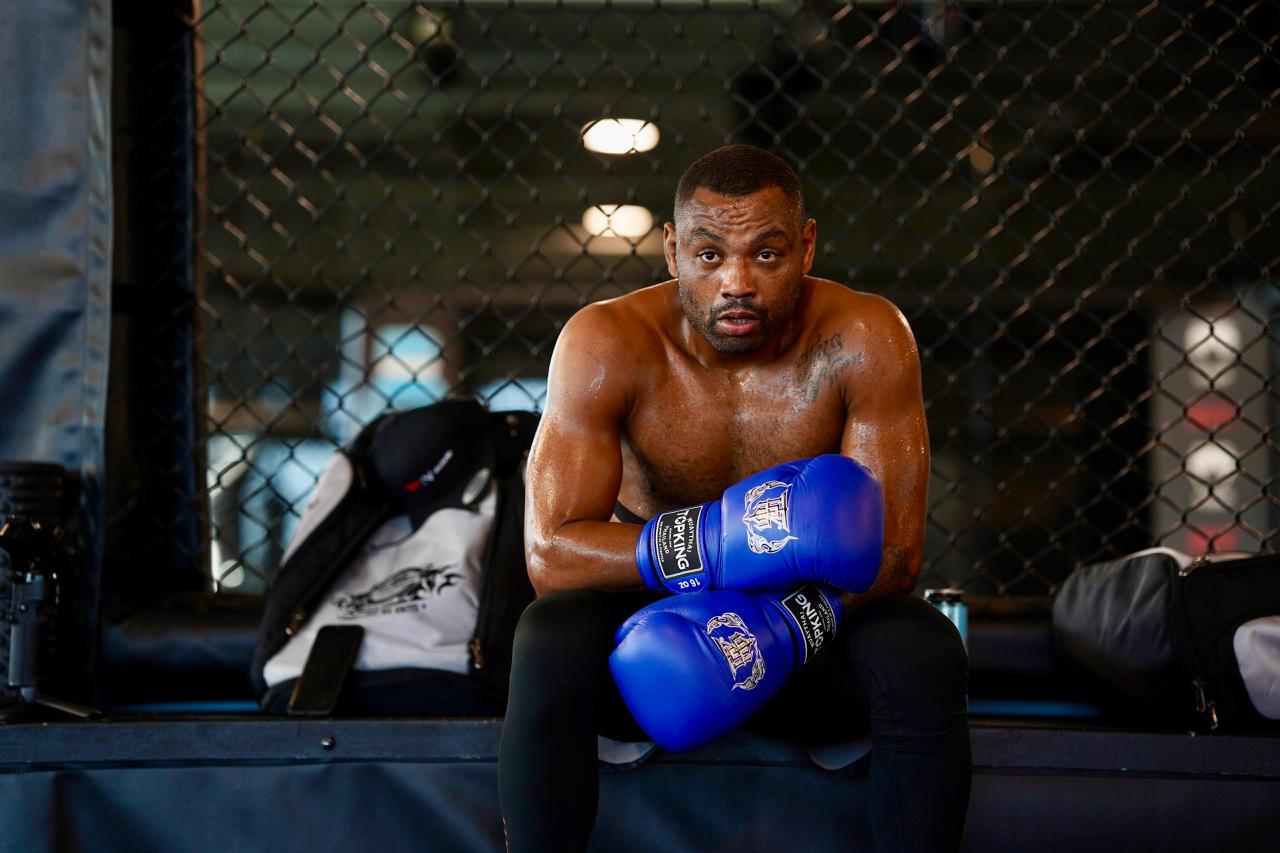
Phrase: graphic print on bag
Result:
[408,590]
[415,613]
[767,510]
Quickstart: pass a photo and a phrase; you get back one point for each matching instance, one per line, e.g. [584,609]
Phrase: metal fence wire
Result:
[1072,203]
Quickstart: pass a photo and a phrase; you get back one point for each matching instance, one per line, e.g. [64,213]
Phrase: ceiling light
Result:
[1214,348]
[617,220]
[620,136]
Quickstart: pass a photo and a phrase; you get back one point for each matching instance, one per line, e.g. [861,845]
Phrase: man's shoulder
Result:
[620,321]
[840,307]
[869,325]
[613,331]
[645,302]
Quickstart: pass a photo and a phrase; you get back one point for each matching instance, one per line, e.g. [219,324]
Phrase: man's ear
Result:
[669,248]
[808,243]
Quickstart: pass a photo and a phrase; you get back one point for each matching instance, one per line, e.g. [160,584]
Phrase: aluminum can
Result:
[950,602]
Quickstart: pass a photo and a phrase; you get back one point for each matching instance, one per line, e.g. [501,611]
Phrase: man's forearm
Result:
[585,555]
[601,555]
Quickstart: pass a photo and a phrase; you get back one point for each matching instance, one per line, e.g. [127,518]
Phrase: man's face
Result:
[739,262]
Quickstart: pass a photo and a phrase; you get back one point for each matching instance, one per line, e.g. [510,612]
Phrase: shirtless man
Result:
[666,397]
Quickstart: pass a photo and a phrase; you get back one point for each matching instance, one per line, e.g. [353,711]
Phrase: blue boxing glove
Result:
[819,519]
[693,667]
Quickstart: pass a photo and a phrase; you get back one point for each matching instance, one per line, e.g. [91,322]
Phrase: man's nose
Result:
[735,279]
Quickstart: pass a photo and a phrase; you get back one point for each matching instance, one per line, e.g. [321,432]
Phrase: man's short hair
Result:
[739,170]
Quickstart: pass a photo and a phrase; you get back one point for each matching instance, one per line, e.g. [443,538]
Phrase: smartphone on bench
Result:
[315,694]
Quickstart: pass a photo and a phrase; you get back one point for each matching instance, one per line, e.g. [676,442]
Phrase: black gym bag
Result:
[1192,641]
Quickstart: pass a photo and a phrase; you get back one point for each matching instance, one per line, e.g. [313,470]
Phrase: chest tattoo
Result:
[822,364]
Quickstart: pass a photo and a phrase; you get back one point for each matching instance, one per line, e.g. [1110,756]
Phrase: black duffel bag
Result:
[1192,641]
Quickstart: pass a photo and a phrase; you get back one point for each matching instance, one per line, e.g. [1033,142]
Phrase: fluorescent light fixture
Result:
[1213,348]
[427,25]
[620,136]
[1215,464]
[617,220]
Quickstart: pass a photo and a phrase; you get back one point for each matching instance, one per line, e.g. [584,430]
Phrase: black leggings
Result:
[897,668]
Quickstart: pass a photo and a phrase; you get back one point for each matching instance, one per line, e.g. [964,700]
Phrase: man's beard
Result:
[705,324]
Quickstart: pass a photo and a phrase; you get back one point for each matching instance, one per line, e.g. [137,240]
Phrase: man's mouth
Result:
[737,322]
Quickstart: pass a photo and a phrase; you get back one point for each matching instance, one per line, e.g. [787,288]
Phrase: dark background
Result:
[325,210]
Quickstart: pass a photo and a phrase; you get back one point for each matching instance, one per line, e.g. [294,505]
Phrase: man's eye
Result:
[767,255]
[707,255]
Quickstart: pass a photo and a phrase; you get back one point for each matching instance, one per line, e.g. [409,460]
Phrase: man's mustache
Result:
[738,304]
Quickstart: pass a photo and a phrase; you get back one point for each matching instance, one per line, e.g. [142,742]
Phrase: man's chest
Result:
[688,438]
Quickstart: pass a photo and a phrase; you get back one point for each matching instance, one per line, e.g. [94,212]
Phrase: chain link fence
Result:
[1073,204]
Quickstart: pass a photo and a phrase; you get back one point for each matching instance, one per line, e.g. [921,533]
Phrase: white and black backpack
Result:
[414,533]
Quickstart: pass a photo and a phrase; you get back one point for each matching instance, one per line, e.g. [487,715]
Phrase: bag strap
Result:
[512,435]
[302,580]
[506,590]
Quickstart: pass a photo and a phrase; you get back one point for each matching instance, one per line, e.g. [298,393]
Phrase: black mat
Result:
[239,783]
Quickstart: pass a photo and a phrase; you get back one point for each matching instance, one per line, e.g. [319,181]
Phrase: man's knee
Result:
[911,650]
[552,619]
[554,657]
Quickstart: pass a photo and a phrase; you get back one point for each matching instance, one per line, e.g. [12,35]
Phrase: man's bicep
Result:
[575,467]
[886,431]
[897,451]
[574,472]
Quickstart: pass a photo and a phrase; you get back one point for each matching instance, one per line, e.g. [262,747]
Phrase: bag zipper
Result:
[1204,704]
[507,488]
[487,591]
[1198,563]
[500,486]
